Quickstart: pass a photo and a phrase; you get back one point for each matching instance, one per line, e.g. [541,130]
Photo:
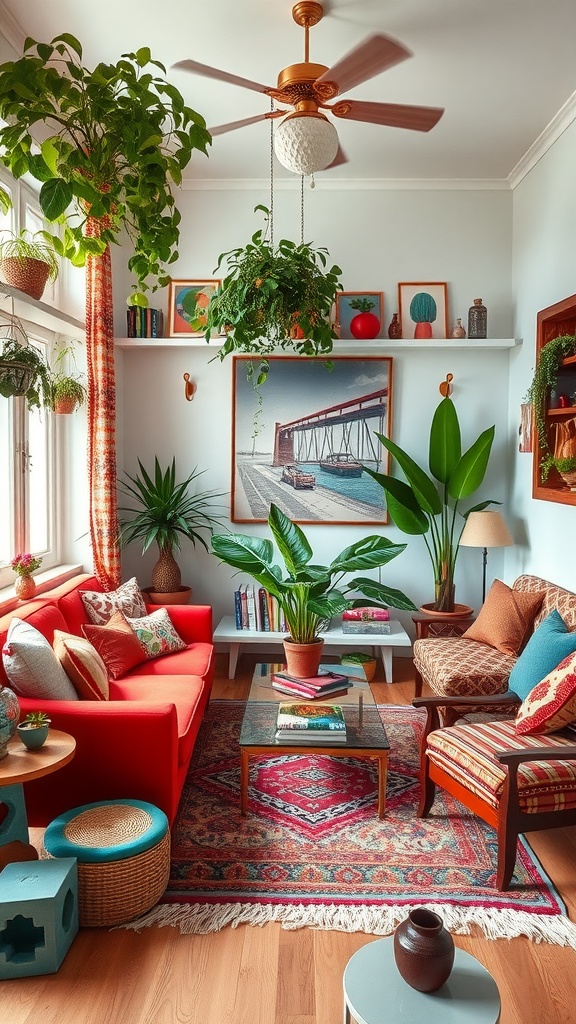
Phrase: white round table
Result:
[375,993]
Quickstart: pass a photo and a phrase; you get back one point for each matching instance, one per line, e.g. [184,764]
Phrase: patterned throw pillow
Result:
[505,619]
[32,668]
[100,606]
[551,705]
[82,664]
[157,634]
[117,645]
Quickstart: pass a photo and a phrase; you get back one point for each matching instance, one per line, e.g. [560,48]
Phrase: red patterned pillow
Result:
[551,704]
[117,645]
[506,618]
[100,605]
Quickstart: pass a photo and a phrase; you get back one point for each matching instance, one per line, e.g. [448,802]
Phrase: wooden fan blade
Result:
[396,115]
[375,54]
[221,129]
[221,76]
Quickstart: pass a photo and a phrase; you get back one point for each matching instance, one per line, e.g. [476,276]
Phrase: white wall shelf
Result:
[44,314]
[344,346]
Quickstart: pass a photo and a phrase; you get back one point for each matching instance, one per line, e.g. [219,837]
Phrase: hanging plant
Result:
[544,381]
[274,296]
[24,373]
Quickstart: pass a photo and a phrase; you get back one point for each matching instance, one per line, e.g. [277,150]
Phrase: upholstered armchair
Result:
[517,782]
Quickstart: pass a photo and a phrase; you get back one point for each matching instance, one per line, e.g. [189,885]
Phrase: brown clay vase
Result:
[303,659]
[423,950]
[25,587]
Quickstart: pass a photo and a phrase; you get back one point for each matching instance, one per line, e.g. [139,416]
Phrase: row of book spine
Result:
[144,322]
[256,609]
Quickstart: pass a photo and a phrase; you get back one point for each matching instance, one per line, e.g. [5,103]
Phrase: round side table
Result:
[375,993]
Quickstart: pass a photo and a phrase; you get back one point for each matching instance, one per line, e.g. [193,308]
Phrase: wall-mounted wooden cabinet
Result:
[560,404]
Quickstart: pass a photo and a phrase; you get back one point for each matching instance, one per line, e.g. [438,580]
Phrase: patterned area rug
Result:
[311,850]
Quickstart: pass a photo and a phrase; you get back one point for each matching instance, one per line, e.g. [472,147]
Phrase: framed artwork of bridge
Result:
[304,438]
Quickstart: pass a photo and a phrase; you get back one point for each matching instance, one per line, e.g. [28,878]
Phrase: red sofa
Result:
[139,742]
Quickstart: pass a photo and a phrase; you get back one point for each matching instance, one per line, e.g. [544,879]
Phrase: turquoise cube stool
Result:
[14,824]
[38,916]
[123,853]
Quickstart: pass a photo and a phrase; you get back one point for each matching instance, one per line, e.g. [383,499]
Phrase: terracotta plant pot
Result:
[460,611]
[180,596]
[303,659]
[64,406]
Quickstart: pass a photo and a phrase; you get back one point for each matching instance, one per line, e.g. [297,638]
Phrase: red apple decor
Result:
[365,324]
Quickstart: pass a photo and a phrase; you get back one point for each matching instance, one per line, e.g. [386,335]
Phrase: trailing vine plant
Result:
[545,379]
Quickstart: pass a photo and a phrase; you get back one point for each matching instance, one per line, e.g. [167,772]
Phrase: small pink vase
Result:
[25,587]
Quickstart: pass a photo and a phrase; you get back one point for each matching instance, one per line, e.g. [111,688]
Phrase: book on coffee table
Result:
[323,684]
[296,721]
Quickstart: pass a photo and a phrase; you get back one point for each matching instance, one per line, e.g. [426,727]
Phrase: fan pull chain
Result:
[271,222]
[301,209]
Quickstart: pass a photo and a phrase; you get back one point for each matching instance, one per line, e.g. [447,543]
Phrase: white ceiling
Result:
[503,69]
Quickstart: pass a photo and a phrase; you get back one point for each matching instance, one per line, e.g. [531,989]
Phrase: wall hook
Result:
[189,388]
[445,388]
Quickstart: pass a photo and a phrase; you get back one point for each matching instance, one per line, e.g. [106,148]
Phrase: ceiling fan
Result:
[306,141]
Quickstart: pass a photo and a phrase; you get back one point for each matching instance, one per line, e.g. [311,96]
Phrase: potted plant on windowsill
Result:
[162,511]
[28,261]
[274,297]
[421,507]
[309,594]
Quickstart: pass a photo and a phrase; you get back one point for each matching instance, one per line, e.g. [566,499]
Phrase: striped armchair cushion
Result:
[456,667]
[468,754]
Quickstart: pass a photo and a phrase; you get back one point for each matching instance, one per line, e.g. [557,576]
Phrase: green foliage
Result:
[423,308]
[364,305]
[166,510]
[67,387]
[36,719]
[24,373]
[309,593]
[544,381]
[25,245]
[268,293]
[420,508]
[120,136]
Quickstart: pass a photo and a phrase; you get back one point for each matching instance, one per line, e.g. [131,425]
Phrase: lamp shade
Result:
[305,143]
[486,529]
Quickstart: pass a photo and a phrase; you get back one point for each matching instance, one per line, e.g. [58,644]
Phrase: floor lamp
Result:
[485,530]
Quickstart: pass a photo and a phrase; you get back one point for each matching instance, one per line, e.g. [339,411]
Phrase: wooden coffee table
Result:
[365,733]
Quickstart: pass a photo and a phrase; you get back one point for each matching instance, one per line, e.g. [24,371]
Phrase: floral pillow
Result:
[551,705]
[100,606]
[157,634]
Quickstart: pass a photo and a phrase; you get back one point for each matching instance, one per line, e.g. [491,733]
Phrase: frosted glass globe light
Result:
[305,143]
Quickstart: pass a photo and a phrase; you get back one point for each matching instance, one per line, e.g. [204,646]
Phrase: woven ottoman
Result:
[123,853]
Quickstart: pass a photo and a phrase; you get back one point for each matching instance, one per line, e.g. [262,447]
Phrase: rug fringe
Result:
[201,919]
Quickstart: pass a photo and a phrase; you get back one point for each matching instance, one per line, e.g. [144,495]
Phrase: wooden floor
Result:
[268,975]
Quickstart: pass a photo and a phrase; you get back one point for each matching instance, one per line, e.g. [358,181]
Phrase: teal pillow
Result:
[546,648]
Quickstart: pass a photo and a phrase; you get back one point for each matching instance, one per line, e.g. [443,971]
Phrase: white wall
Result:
[379,238]
[544,215]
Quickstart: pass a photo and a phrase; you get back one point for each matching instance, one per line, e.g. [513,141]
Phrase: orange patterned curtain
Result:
[101,415]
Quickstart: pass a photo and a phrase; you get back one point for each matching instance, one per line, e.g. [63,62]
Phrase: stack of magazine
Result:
[310,723]
[325,684]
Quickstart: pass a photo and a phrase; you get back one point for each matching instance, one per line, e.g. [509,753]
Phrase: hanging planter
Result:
[28,261]
[274,297]
[23,370]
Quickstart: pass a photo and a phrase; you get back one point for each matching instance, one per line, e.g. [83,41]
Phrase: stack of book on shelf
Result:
[325,684]
[310,723]
[366,620]
[256,609]
[144,322]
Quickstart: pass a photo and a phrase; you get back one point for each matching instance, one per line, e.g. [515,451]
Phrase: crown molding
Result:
[11,29]
[349,184]
[552,132]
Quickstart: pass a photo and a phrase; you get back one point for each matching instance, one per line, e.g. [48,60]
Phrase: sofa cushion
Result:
[157,634]
[32,668]
[555,597]
[117,644]
[195,659]
[467,753]
[456,667]
[551,705]
[82,664]
[185,692]
[100,605]
[546,648]
[505,619]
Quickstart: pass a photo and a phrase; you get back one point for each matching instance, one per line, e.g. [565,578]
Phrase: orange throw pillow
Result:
[551,704]
[506,618]
[117,645]
[82,664]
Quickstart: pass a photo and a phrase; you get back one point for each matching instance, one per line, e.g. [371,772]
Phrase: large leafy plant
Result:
[309,593]
[119,137]
[544,381]
[428,505]
[274,296]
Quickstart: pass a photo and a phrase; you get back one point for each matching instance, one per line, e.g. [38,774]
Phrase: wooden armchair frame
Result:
[507,818]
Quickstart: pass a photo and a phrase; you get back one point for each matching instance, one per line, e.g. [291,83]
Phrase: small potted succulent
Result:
[33,729]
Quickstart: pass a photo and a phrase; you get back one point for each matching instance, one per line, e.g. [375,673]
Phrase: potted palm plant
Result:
[274,296]
[428,505]
[309,594]
[28,261]
[162,511]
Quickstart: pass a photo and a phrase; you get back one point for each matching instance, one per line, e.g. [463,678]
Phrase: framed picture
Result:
[345,311]
[188,303]
[303,438]
[423,309]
